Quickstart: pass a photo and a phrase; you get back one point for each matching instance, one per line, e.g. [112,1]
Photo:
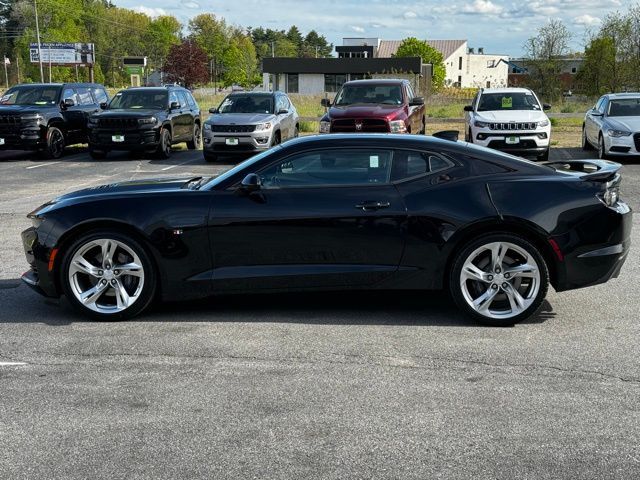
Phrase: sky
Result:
[500,26]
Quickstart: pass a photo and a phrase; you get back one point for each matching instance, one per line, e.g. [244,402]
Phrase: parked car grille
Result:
[367,125]
[9,124]
[233,128]
[502,145]
[118,122]
[636,139]
[513,126]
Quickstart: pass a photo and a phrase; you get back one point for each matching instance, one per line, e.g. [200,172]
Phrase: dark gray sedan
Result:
[249,122]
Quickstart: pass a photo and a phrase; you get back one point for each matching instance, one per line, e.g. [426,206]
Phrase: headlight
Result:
[147,121]
[618,133]
[31,118]
[261,127]
[325,127]
[543,123]
[481,124]
[397,126]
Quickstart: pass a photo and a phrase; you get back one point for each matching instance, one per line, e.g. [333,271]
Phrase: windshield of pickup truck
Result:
[247,104]
[31,95]
[139,99]
[379,94]
[508,101]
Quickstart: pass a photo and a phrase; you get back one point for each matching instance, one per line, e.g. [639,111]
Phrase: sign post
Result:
[134,66]
[62,54]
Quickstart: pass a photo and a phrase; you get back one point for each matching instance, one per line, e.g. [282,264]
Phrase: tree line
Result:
[206,49]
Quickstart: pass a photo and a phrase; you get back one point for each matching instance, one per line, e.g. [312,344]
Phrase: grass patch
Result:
[309,127]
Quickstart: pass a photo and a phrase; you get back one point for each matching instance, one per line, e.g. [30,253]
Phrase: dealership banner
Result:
[63,53]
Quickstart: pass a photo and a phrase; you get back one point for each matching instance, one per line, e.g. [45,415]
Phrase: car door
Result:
[415,111]
[185,116]
[87,105]
[284,119]
[328,218]
[74,116]
[591,124]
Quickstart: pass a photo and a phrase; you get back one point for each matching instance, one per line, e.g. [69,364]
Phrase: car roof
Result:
[613,96]
[506,90]
[378,81]
[254,94]
[56,84]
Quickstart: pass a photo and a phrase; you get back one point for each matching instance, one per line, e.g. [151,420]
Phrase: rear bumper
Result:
[594,264]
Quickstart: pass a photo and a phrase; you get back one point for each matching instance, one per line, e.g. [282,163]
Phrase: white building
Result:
[465,67]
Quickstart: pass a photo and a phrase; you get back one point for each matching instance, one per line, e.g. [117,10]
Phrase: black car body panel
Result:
[210,236]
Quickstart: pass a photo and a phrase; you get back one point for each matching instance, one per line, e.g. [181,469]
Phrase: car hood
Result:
[367,110]
[18,109]
[628,124]
[240,118]
[126,113]
[505,116]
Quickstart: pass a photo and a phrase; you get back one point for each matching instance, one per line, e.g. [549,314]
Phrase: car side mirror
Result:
[68,102]
[468,108]
[213,110]
[596,113]
[325,102]
[251,183]
[283,111]
[103,105]
[546,106]
[174,106]
[416,101]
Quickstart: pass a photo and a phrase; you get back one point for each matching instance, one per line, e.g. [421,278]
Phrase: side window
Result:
[173,97]
[182,98]
[598,106]
[192,101]
[605,106]
[280,105]
[410,93]
[100,95]
[70,93]
[84,96]
[329,167]
[409,164]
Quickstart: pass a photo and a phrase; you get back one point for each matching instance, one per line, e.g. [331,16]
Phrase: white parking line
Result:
[41,165]
[11,364]
[176,165]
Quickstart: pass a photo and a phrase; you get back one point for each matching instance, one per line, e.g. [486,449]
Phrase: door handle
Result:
[372,205]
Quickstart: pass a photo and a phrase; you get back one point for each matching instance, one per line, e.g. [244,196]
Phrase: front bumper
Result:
[530,141]
[38,277]
[586,264]
[134,139]
[236,143]
[30,137]
[622,146]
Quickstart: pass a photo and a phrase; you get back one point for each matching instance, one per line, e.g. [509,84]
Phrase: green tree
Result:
[240,66]
[412,47]
[597,74]
[316,45]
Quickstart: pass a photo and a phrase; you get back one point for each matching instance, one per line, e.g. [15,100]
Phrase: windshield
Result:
[508,101]
[628,107]
[31,95]
[379,94]
[247,104]
[136,99]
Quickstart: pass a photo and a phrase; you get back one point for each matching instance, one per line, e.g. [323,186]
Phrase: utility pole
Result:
[273,49]
[49,63]
[18,66]
[35,7]
[6,73]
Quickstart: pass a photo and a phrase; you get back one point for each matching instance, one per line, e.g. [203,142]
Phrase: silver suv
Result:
[248,123]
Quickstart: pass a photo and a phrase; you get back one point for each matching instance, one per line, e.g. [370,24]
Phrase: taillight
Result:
[611,194]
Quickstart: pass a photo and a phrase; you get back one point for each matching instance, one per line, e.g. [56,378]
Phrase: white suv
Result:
[509,119]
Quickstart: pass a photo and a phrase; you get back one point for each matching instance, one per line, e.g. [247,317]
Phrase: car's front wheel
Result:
[54,147]
[164,147]
[499,279]
[602,149]
[108,276]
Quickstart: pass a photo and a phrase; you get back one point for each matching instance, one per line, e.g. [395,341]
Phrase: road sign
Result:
[63,53]
[134,70]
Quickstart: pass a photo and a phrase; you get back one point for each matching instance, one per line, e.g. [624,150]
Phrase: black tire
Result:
[97,154]
[296,132]
[585,142]
[455,279]
[148,290]
[543,157]
[210,157]
[602,154]
[276,139]
[196,141]
[164,146]
[54,147]
[423,131]
[470,140]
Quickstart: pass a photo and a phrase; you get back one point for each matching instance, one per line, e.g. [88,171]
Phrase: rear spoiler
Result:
[591,170]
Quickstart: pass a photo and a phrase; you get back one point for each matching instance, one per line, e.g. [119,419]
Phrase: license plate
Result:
[1,141]
[117,138]
[512,140]
[231,141]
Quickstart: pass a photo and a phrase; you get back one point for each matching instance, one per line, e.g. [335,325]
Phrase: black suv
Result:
[148,119]
[48,116]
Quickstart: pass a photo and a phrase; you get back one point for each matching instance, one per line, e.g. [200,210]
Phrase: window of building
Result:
[332,83]
[459,80]
[292,83]
[459,63]
[488,83]
[574,69]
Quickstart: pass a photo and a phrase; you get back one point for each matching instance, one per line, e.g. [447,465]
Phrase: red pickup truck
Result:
[382,106]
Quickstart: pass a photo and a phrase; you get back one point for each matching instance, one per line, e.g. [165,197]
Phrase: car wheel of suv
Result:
[470,136]
[543,157]
[585,142]
[210,157]
[97,154]
[196,142]
[602,151]
[296,132]
[424,126]
[499,279]
[108,276]
[55,143]
[164,147]
[276,139]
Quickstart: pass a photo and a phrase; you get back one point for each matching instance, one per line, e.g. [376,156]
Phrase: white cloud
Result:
[409,15]
[482,7]
[190,4]
[151,12]
[586,20]
[357,29]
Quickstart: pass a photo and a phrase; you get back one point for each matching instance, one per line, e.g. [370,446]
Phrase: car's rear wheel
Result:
[54,147]
[108,276]
[585,141]
[499,279]
[164,147]
[196,141]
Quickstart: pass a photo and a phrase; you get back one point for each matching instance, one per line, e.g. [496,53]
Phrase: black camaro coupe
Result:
[339,212]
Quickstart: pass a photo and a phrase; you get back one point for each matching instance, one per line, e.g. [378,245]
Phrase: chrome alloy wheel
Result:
[106,276]
[500,280]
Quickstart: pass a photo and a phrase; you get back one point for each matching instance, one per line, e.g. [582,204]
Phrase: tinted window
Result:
[28,95]
[101,95]
[70,93]
[508,101]
[330,167]
[191,101]
[84,96]
[408,164]
[247,104]
[139,99]
[182,98]
[626,107]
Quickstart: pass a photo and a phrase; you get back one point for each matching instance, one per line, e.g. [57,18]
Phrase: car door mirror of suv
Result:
[325,102]
[213,110]
[546,106]
[468,108]
[251,183]
[174,106]
[68,102]
[416,101]
[283,111]
[103,105]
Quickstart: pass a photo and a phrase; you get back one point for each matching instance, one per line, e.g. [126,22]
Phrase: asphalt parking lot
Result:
[325,386]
